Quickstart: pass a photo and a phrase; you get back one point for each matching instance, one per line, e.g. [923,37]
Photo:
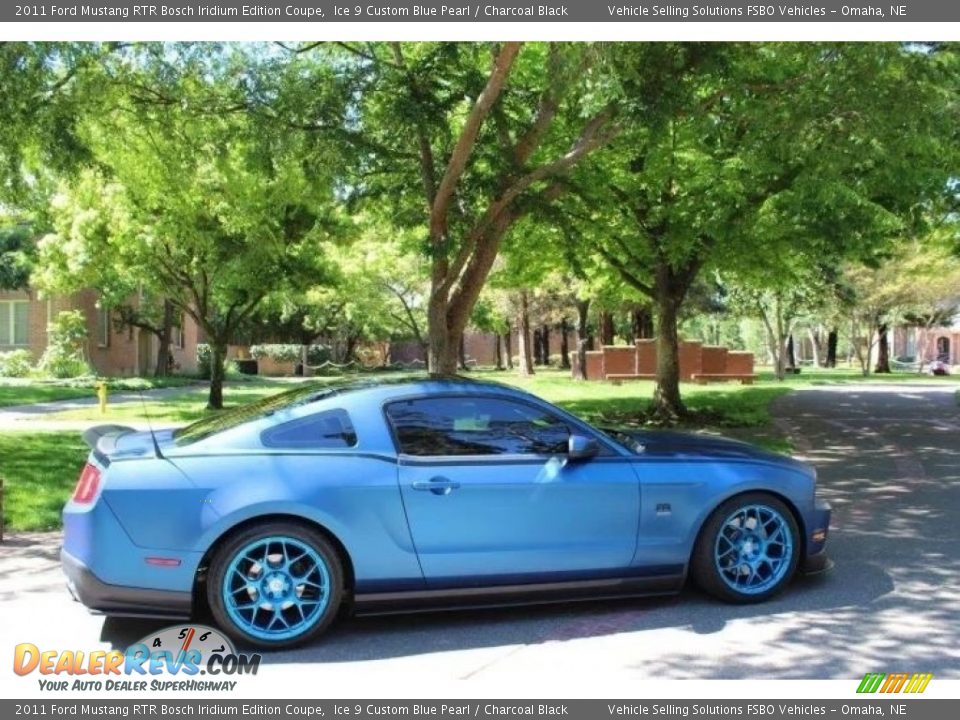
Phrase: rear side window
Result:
[328,429]
[475,426]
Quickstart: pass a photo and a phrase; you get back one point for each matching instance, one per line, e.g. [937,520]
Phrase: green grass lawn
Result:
[40,470]
[24,391]
[181,407]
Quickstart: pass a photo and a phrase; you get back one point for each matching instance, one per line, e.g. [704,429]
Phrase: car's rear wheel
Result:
[748,549]
[275,585]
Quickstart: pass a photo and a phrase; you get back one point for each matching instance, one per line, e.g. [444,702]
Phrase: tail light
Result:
[87,485]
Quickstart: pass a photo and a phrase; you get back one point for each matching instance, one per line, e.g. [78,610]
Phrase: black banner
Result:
[890,706]
[321,11]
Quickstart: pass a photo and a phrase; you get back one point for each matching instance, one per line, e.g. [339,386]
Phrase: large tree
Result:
[464,140]
[822,151]
[192,200]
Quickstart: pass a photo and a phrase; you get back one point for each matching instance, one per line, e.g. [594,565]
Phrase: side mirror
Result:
[581,447]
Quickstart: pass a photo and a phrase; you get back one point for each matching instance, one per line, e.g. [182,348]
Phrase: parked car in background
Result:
[423,493]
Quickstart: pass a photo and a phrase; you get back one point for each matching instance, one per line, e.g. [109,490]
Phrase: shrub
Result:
[66,338]
[318,354]
[203,360]
[15,363]
[203,363]
[278,353]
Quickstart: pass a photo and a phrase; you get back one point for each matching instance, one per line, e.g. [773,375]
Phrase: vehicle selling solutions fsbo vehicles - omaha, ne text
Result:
[422,493]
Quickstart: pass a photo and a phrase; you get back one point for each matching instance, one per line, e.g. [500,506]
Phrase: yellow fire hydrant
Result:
[102,396]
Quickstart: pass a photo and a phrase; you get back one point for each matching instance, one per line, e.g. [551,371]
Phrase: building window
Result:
[911,349]
[179,341]
[14,322]
[103,327]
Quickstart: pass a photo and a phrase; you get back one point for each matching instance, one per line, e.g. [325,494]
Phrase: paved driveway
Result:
[889,460]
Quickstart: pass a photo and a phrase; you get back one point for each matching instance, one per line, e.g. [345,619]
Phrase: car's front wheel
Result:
[275,585]
[748,549]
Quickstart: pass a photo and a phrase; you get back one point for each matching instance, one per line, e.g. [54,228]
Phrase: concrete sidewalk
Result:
[36,416]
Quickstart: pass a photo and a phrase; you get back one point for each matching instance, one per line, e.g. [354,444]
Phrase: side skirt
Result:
[510,595]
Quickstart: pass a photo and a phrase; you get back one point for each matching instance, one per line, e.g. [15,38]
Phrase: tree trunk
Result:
[641,321]
[218,354]
[462,354]
[537,347]
[545,344]
[442,351]
[883,349]
[523,332]
[163,352]
[667,405]
[564,344]
[350,348]
[498,350]
[816,345]
[606,328]
[832,338]
[583,317]
[508,347]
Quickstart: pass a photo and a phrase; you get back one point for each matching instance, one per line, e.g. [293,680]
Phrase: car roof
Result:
[422,382]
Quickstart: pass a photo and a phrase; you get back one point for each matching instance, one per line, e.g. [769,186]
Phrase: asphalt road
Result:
[888,459]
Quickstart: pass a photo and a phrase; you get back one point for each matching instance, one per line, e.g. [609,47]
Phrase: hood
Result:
[659,443]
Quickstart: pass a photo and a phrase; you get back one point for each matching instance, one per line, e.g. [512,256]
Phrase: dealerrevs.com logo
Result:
[180,657]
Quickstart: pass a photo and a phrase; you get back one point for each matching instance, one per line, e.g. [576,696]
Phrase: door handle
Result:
[437,485]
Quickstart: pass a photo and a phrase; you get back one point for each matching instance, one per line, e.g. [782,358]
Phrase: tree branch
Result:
[502,65]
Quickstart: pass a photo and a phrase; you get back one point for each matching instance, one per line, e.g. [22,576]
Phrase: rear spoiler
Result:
[102,439]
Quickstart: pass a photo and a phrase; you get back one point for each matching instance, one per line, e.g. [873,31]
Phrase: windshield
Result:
[228,419]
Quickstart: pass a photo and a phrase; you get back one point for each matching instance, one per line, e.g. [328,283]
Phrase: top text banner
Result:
[324,11]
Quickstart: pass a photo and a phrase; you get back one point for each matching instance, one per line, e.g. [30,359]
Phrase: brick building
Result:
[111,350]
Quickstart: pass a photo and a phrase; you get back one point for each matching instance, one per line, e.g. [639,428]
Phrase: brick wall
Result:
[619,360]
[739,363]
[714,361]
[126,353]
[691,359]
[646,357]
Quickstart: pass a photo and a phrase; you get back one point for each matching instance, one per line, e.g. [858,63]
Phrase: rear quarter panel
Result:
[353,495]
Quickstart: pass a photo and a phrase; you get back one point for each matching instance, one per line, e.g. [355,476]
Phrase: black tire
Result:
[704,568]
[302,533]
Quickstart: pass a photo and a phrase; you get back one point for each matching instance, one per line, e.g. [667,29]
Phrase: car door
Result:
[491,496]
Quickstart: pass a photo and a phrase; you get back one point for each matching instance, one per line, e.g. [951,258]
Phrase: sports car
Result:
[422,493]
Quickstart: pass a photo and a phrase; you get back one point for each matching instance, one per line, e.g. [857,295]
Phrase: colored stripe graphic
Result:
[870,683]
[894,682]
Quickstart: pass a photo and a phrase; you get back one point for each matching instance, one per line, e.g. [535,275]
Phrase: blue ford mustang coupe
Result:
[422,493]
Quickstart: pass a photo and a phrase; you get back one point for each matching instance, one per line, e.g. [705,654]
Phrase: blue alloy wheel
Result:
[754,548]
[276,588]
[748,549]
[276,585]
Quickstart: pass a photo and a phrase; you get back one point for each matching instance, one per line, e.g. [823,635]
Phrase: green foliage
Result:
[277,353]
[204,355]
[16,363]
[17,254]
[65,356]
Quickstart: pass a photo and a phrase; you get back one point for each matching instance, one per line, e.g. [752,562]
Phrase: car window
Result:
[329,429]
[475,426]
